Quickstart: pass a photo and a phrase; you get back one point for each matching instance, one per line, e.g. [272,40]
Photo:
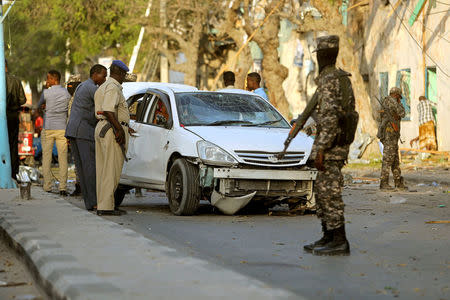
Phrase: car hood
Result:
[237,138]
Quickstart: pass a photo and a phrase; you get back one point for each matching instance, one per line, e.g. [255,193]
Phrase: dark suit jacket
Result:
[82,119]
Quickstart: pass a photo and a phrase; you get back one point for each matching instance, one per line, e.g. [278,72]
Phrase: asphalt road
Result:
[394,252]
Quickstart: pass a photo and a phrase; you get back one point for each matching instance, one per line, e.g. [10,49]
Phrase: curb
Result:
[57,272]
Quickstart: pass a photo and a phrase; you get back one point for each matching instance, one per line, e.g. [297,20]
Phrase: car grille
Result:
[262,158]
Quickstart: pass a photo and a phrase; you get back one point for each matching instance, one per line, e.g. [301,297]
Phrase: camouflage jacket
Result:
[396,112]
[328,110]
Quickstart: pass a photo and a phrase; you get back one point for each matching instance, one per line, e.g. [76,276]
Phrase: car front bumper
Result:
[236,187]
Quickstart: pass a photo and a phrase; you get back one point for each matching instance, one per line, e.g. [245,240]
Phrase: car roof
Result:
[133,88]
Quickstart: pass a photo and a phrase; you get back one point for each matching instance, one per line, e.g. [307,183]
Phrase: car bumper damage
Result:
[233,188]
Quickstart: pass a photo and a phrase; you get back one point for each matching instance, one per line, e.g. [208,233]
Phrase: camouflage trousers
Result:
[328,189]
[390,162]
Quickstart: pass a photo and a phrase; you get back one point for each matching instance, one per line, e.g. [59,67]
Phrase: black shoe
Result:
[386,187]
[326,238]
[122,212]
[338,246]
[63,193]
[108,213]
[400,185]
[77,191]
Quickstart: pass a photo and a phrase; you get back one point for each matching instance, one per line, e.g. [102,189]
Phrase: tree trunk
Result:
[347,59]
[273,72]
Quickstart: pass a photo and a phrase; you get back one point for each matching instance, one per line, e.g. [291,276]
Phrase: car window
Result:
[230,109]
[158,114]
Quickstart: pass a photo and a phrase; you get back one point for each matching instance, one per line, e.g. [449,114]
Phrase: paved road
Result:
[15,280]
[394,253]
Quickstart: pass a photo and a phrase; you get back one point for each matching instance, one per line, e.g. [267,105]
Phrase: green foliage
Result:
[40,29]
[32,46]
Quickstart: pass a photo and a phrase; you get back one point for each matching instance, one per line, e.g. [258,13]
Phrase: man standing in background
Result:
[80,131]
[15,98]
[72,84]
[228,80]
[56,99]
[253,84]
[427,133]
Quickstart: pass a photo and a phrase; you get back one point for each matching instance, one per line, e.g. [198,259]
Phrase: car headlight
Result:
[212,154]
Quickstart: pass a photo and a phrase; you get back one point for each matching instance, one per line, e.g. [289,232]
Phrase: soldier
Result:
[336,120]
[389,133]
[111,137]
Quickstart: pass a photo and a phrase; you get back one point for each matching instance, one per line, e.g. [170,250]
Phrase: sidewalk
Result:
[75,254]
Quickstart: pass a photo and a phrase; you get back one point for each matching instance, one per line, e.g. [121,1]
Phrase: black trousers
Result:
[13,135]
[83,152]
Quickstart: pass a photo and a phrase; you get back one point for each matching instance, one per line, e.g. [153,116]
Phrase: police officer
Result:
[389,134]
[111,137]
[335,98]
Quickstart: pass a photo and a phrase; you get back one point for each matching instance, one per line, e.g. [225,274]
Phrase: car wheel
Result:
[119,194]
[183,188]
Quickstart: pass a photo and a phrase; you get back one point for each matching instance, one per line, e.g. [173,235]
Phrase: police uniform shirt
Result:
[109,97]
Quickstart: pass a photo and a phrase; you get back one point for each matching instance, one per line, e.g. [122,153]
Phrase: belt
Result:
[124,124]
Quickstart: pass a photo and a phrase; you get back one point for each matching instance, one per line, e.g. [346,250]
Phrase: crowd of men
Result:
[97,129]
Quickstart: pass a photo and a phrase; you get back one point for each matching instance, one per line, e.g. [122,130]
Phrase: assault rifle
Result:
[299,123]
[391,118]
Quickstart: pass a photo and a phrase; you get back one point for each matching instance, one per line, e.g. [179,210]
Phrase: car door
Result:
[148,150]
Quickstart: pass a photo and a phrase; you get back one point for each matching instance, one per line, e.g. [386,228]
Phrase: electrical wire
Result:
[431,30]
[418,44]
[442,2]
[439,12]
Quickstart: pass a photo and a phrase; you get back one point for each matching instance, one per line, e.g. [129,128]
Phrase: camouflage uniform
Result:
[389,137]
[328,185]
[334,115]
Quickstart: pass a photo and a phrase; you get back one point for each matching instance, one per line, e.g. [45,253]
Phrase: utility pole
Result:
[164,66]
[139,42]
[6,181]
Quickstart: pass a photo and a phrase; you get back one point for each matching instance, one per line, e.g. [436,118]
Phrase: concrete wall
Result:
[389,48]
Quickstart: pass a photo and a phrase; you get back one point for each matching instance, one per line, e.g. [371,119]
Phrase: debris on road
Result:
[397,200]
[8,284]
[438,222]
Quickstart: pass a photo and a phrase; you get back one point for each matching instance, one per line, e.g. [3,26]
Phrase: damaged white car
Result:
[215,146]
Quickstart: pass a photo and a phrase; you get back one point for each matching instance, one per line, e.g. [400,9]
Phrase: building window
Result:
[403,82]
[384,84]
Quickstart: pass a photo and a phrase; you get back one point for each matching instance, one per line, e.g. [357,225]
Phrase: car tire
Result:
[183,189]
[119,194]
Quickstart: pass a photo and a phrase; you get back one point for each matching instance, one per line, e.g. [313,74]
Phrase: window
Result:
[403,82]
[384,85]
[159,114]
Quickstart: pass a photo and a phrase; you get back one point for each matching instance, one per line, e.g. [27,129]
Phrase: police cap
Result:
[120,64]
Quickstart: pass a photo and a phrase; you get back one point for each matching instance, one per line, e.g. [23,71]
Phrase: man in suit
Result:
[80,131]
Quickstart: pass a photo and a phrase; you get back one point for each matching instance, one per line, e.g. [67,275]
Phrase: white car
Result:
[216,146]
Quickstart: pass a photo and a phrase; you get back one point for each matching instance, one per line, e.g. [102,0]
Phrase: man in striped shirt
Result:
[427,135]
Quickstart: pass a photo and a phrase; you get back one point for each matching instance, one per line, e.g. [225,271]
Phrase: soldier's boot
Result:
[326,238]
[338,246]
[77,191]
[400,184]
[384,186]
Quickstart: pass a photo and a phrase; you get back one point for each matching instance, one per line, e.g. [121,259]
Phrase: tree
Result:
[331,23]
[34,44]
[184,30]
[273,72]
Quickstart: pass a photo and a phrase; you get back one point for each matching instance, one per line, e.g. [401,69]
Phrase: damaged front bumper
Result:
[233,188]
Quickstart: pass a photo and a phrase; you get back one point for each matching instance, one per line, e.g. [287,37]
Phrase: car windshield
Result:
[219,109]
